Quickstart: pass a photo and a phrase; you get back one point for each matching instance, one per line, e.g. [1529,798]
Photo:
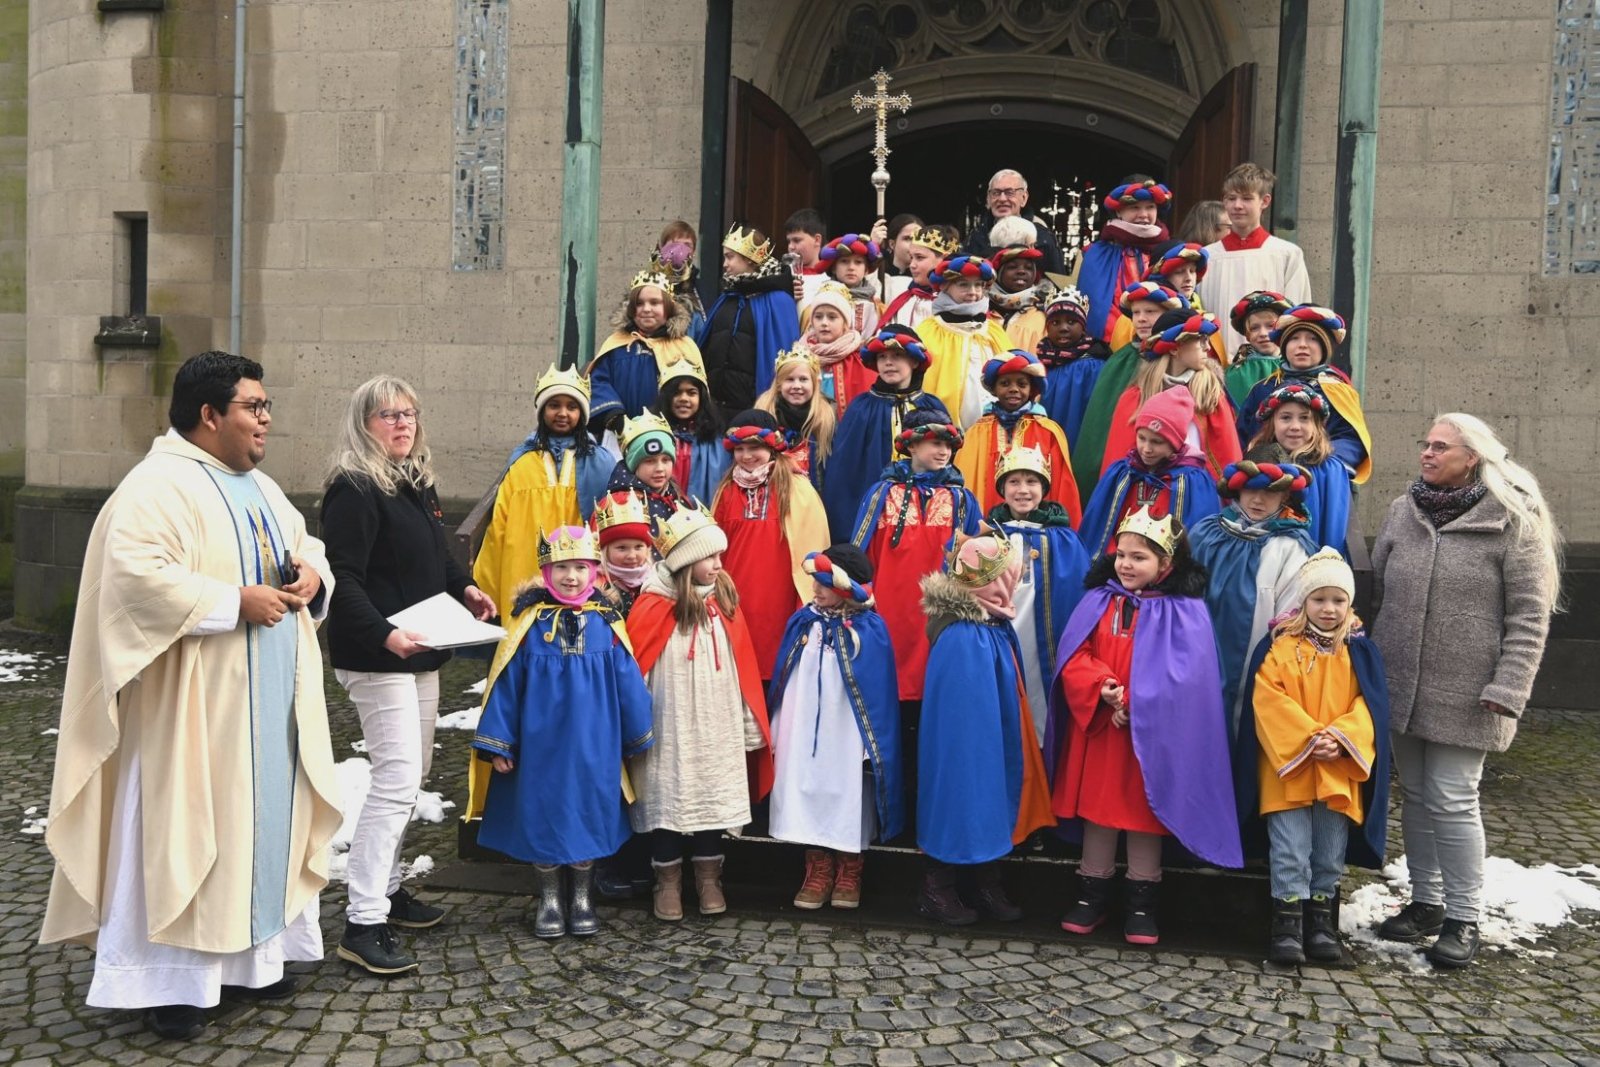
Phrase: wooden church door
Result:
[1216,140]
[772,170]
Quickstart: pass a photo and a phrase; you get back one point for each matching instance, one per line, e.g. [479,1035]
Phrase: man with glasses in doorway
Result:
[1008,195]
[194,795]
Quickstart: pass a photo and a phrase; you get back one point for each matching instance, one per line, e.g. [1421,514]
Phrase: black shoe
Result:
[1322,940]
[1285,937]
[1457,944]
[406,910]
[176,1022]
[1091,907]
[1415,922]
[373,947]
[940,901]
[282,989]
[992,895]
[1139,915]
[613,884]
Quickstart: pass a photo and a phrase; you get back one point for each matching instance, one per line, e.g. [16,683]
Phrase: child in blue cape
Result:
[1294,418]
[1053,566]
[563,705]
[1073,361]
[698,459]
[836,730]
[1253,550]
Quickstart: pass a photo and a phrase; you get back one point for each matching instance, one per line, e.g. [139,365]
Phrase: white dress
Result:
[819,795]
[694,777]
[1023,598]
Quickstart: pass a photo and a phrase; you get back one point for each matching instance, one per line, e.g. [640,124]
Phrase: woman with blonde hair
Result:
[1177,354]
[384,531]
[1467,569]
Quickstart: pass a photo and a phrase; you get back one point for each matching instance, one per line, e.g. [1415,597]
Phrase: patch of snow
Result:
[476,687]
[1519,905]
[354,777]
[359,746]
[15,666]
[49,731]
[465,719]
[409,869]
[32,822]
[430,807]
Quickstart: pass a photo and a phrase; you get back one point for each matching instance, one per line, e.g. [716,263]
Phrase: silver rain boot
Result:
[581,919]
[549,917]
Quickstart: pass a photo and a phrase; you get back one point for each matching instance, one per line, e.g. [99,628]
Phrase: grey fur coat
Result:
[1463,618]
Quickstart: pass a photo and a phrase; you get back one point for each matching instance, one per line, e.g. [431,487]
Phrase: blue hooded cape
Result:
[1366,848]
[865,655]
[1057,564]
[777,324]
[1328,503]
[1194,496]
[863,446]
[1180,729]
[1067,391]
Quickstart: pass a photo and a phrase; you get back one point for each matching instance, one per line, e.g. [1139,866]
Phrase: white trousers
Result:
[398,712]
[131,971]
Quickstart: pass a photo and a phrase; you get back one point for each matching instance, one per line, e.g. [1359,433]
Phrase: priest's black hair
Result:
[208,378]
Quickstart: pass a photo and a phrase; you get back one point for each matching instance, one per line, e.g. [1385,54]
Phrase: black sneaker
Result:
[282,989]
[176,1022]
[1415,922]
[406,910]
[373,947]
[1457,944]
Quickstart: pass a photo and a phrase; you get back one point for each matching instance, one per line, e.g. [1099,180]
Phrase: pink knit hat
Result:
[1169,414]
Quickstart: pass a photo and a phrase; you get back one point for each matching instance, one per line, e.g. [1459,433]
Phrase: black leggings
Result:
[666,846]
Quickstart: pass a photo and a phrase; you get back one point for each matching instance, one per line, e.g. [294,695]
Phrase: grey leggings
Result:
[1442,823]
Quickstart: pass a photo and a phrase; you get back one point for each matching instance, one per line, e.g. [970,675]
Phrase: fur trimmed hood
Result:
[677,325]
[944,601]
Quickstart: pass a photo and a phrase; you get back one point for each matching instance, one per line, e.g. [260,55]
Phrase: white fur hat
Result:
[1327,569]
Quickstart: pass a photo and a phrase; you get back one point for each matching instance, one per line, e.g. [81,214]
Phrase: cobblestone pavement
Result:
[741,990]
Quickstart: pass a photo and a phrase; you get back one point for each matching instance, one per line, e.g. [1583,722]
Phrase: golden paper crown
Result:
[989,567]
[1022,458]
[561,378]
[743,241]
[570,543]
[681,368]
[651,276]
[621,509]
[1163,531]
[682,523]
[931,237]
[636,427]
[788,357]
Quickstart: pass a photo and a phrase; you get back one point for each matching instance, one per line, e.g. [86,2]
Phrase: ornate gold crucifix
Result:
[882,102]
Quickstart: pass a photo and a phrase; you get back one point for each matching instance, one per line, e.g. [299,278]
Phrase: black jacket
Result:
[978,243]
[387,553]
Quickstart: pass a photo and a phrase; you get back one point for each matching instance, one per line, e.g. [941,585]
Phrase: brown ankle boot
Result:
[847,880]
[708,885]
[818,883]
[669,891]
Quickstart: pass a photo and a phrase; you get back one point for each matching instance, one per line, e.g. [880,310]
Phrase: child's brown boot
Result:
[708,885]
[669,890]
[818,883]
[847,880]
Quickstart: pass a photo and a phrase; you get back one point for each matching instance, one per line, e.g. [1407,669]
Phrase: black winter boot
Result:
[1322,940]
[1139,913]
[1415,922]
[992,894]
[1285,936]
[939,899]
[549,910]
[1090,908]
[1457,944]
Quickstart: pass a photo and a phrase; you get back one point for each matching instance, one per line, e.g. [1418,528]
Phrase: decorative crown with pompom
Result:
[621,509]
[1163,532]
[989,566]
[568,544]
[743,242]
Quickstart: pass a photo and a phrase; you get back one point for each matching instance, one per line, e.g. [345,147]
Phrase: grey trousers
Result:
[1442,823]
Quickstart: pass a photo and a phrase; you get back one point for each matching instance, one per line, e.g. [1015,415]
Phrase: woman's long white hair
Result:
[360,455]
[1517,490]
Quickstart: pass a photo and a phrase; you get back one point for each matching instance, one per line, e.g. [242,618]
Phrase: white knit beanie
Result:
[1326,570]
[706,541]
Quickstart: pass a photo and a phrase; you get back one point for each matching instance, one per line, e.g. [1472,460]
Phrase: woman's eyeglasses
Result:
[393,418]
[1435,448]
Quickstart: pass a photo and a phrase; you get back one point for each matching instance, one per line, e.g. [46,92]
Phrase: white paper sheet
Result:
[444,622]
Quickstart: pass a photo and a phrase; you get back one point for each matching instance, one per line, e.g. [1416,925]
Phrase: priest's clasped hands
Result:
[266,605]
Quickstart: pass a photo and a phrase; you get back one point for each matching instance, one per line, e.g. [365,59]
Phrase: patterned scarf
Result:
[1445,504]
[1052,355]
[831,352]
[1036,295]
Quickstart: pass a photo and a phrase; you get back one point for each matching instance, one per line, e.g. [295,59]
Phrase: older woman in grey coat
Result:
[1467,565]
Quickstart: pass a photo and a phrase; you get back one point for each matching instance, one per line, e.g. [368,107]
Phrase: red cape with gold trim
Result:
[650,626]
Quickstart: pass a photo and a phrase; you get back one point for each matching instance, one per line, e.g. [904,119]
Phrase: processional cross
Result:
[882,102]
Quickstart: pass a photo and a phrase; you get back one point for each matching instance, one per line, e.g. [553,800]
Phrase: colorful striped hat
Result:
[1164,339]
[1155,293]
[845,569]
[1262,474]
[952,267]
[1187,254]
[1260,300]
[851,244]
[1015,361]
[754,427]
[927,426]
[1010,252]
[1293,393]
[900,338]
[1132,193]
[1325,323]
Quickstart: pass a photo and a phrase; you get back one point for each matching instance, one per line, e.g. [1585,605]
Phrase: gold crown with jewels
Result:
[637,426]
[743,241]
[567,377]
[932,237]
[788,357]
[570,543]
[681,368]
[620,509]
[988,568]
[686,521]
[1164,532]
[651,276]
[1022,458]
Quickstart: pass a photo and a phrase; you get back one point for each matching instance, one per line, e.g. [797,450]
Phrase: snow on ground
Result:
[465,719]
[33,822]
[476,688]
[354,776]
[16,666]
[1519,905]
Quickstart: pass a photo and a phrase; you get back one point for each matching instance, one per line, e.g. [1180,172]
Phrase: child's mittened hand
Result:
[502,764]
